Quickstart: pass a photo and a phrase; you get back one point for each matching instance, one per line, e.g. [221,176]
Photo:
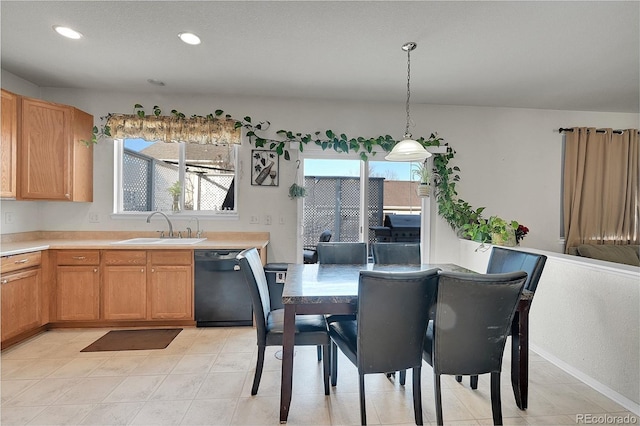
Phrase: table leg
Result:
[520,354]
[288,338]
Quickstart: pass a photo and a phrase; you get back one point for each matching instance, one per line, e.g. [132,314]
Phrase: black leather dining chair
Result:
[310,254]
[389,329]
[310,329]
[396,253]
[468,335]
[504,260]
[342,253]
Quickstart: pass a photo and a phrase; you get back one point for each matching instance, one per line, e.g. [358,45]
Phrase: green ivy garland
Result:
[459,214]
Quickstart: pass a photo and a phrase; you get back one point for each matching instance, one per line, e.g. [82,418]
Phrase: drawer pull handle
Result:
[236,267]
[79,257]
[141,270]
[5,281]
[95,269]
[21,261]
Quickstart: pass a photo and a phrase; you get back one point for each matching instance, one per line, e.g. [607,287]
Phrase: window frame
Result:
[118,213]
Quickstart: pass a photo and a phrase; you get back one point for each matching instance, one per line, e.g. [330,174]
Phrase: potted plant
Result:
[175,190]
[423,174]
[297,191]
[502,232]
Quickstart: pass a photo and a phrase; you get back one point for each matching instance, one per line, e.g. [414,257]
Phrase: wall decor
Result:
[265,168]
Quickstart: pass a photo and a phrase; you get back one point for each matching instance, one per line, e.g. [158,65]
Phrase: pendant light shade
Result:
[408,149]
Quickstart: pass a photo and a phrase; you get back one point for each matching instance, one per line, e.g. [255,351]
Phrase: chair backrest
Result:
[504,260]
[393,312]
[342,252]
[251,267]
[396,253]
[473,317]
[325,237]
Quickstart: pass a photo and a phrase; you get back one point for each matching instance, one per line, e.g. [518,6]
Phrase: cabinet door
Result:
[8,144]
[82,163]
[45,156]
[124,292]
[77,293]
[21,304]
[171,292]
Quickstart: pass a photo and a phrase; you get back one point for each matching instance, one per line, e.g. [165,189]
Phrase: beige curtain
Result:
[601,187]
[200,130]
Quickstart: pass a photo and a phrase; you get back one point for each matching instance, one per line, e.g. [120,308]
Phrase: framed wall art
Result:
[265,168]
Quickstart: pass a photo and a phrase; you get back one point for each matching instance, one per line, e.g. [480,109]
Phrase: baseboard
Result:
[630,405]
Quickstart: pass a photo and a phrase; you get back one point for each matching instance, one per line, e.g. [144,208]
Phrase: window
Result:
[158,176]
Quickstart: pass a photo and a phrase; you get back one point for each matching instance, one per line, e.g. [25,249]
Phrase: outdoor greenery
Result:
[460,215]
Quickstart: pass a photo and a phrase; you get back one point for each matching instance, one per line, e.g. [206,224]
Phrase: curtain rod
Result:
[618,132]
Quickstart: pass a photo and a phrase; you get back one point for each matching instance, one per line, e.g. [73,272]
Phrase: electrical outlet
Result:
[254,219]
[267,219]
[9,217]
[94,217]
[280,277]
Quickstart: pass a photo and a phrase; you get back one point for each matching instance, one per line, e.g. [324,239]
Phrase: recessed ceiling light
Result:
[155,82]
[67,32]
[189,38]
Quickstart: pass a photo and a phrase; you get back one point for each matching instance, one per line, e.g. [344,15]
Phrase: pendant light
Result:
[408,149]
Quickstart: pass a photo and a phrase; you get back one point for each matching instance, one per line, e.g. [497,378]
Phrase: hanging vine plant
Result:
[459,214]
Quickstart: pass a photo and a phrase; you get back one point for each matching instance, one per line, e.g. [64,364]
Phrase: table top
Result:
[331,283]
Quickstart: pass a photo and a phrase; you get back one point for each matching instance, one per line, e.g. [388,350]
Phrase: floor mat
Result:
[134,340]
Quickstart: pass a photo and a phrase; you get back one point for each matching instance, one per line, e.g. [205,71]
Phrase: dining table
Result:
[333,289]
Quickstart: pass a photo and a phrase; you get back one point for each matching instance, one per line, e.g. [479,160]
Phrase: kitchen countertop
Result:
[237,240]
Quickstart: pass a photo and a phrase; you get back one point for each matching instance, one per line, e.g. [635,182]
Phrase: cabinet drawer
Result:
[20,261]
[125,257]
[78,257]
[171,257]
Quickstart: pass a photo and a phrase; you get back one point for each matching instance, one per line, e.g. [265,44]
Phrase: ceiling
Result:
[553,55]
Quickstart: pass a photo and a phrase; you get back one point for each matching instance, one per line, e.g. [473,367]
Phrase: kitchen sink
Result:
[160,241]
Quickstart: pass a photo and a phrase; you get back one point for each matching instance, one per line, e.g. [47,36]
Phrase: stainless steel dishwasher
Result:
[221,296]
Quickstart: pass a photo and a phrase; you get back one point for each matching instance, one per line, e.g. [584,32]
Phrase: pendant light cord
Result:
[408,47]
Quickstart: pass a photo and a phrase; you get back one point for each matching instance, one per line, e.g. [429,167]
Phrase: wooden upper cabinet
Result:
[54,164]
[8,144]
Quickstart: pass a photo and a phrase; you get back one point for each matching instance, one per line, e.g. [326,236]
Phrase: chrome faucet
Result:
[198,231]
[168,221]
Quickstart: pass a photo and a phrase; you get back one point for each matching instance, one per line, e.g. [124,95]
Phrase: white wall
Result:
[585,319]
[509,160]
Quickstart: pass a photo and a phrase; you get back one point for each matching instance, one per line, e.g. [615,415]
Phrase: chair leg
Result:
[326,367]
[417,396]
[363,408]
[438,395]
[403,377]
[473,381]
[334,363]
[319,353]
[496,406]
[258,374]
[459,379]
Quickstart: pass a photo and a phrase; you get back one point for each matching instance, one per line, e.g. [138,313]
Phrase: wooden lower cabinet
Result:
[124,285]
[170,295]
[125,293]
[77,293]
[147,285]
[21,303]
[171,285]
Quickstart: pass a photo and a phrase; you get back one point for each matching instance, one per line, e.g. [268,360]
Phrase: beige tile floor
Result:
[204,378]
